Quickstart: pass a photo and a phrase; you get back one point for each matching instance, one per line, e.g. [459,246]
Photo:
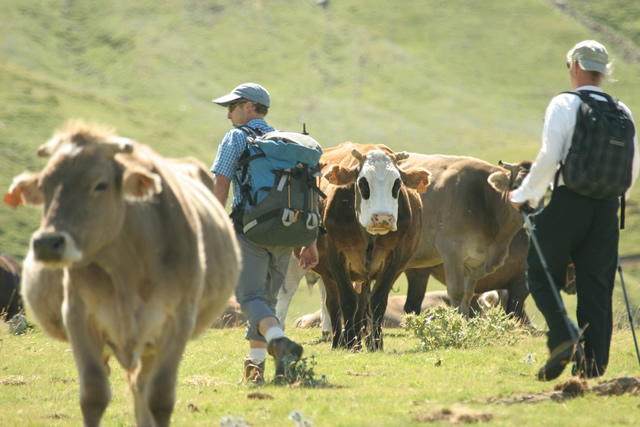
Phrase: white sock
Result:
[257,355]
[273,333]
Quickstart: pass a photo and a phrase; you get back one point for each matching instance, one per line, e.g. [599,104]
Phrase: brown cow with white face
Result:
[148,260]
[372,216]
[468,222]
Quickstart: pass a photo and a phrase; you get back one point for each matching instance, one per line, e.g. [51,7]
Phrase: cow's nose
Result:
[49,247]
[382,220]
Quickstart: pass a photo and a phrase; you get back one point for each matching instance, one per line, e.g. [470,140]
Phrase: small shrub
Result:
[302,374]
[444,327]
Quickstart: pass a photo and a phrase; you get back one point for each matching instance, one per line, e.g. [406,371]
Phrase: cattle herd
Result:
[134,256]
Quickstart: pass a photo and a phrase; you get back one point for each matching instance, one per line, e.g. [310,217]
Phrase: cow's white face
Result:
[378,186]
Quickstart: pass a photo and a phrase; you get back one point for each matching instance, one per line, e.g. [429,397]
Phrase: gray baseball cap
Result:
[251,91]
[591,56]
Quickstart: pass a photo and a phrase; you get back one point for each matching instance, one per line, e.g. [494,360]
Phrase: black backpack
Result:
[599,161]
[280,201]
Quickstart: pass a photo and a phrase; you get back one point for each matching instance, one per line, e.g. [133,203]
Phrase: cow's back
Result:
[462,209]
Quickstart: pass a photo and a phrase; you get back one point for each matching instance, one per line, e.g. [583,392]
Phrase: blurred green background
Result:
[464,77]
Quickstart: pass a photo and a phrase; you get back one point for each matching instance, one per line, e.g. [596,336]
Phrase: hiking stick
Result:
[626,299]
[526,212]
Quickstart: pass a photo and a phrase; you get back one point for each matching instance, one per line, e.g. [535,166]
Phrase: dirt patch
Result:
[574,387]
[201,381]
[259,396]
[455,416]
[12,380]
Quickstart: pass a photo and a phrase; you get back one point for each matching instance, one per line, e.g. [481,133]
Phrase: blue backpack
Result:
[280,201]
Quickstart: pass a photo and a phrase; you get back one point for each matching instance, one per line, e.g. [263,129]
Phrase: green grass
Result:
[38,380]
[38,384]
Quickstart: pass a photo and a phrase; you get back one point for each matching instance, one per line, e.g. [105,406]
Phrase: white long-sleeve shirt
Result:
[559,124]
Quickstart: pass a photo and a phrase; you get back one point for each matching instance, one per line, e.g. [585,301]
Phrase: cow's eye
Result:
[364,188]
[396,188]
[101,186]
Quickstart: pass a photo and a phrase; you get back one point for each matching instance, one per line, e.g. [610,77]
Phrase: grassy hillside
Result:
[455,77]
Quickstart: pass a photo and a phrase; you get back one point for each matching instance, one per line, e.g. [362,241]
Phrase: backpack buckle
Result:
[312,221]
[289,216]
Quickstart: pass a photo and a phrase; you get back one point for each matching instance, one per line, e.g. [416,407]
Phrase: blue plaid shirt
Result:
[231,148]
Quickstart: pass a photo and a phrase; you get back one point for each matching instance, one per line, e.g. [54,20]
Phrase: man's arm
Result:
[222,189]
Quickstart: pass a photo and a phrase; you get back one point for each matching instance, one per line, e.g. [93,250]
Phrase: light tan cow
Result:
[148,260]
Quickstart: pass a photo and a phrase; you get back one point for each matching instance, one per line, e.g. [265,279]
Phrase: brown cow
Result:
[372,215]
[10,298]
[148,260]
[468,223]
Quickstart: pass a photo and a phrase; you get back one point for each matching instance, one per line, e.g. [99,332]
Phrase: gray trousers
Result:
[264,269]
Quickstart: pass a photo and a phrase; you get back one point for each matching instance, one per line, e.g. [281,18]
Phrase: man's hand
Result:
[309,256]
[516,205]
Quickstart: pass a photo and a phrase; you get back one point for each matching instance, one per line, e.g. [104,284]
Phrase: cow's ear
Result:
[337,175]
[48,148]
[139,184]
[499,181]
[417,178]
[24,191]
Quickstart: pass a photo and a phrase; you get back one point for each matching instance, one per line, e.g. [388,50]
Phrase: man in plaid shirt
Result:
[264,267]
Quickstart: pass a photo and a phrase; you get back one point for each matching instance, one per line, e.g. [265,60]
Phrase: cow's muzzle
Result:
[55,249]
[381,223]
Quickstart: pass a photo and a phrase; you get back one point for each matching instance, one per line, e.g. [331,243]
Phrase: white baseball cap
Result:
[591,56]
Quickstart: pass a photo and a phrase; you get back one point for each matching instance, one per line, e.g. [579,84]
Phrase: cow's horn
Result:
[121,144]
[402,155]
[355,153]
[506,165]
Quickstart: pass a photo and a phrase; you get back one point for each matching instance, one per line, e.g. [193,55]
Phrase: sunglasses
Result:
[231,107]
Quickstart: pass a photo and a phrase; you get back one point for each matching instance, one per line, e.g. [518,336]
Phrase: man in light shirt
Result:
[573,225]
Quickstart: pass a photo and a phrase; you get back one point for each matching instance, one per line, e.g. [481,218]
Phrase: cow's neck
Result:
[370,241]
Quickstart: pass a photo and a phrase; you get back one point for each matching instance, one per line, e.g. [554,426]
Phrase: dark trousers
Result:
[586,230]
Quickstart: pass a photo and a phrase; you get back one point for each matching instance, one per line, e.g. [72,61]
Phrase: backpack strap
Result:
[246,156]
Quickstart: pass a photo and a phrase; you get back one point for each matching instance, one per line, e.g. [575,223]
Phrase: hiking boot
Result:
[559,358]
[284,351]
[253,372]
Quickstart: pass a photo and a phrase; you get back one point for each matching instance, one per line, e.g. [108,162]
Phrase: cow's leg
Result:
[325,318]
[332,303]
[154,385]
[457,286]
[379,300]
[87,346]
[518,293]
[364,317]
[469,290]
[348,300]
[417,279]
[288,289]
[349,307]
